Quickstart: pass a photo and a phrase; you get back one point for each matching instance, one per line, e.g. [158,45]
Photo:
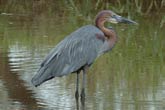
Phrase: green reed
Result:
[120,6]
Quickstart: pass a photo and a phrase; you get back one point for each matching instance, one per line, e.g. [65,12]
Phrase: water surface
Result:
[130,77]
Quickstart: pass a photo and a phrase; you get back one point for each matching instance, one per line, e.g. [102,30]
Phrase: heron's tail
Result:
[41,76]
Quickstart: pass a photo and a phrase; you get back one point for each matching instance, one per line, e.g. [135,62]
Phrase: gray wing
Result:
[76,50]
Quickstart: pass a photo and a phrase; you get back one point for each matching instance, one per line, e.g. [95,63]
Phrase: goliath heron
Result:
[79,50]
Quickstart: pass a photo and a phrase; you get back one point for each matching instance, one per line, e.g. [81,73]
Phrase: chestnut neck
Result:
[109,33]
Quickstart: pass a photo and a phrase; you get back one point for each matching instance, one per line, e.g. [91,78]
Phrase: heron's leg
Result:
[84,82]
[77,86]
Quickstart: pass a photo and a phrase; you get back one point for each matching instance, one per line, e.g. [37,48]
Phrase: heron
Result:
[77,51]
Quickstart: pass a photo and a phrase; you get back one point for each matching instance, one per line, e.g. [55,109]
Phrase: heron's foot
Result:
[76,94]
[83,94]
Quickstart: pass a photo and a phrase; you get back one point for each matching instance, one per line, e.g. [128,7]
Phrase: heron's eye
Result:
[113,16]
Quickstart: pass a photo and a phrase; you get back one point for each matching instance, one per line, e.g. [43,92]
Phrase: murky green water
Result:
[130,77]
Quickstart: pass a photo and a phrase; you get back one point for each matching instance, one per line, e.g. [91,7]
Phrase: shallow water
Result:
[130,77]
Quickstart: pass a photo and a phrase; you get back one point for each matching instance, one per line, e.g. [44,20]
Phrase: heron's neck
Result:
[109,33]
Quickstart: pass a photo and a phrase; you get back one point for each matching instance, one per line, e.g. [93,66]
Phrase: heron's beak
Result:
[118,19]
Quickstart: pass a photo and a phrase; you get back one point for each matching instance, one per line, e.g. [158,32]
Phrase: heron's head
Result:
[109,16]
